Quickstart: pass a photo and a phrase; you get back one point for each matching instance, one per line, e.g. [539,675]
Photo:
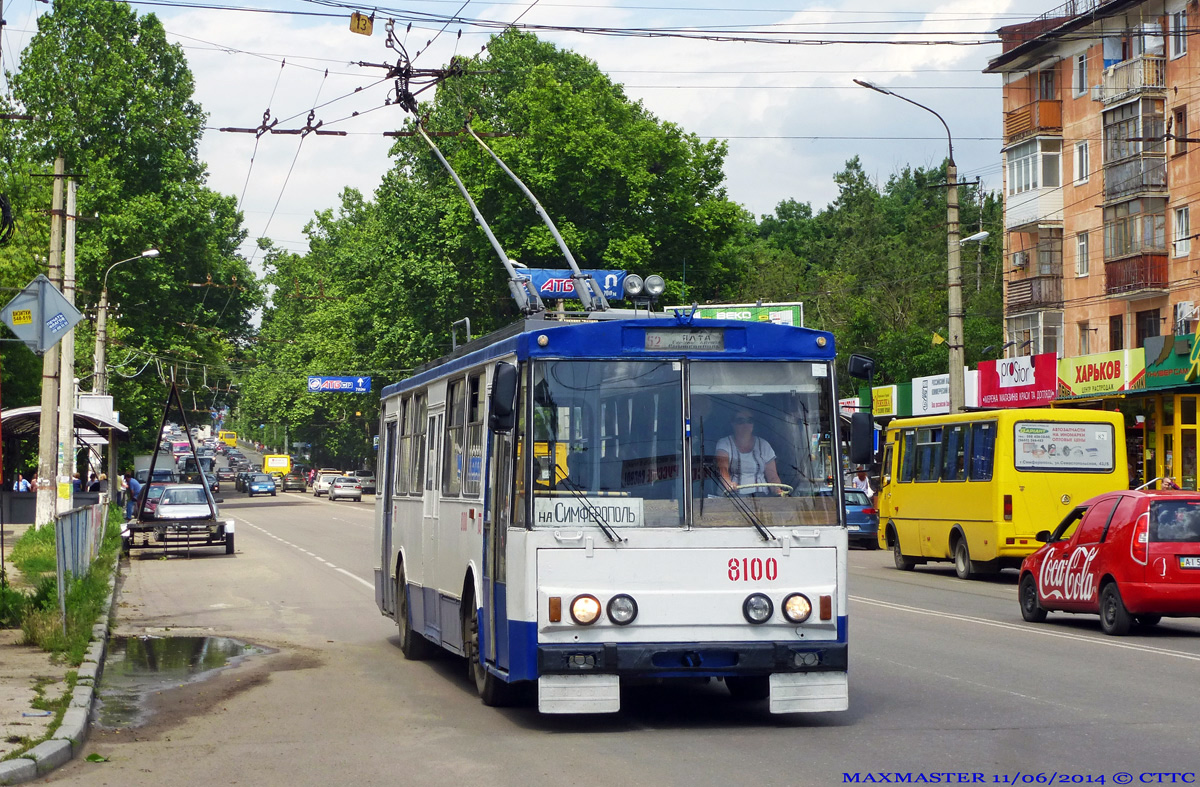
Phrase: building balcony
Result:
[1147,72]
[1032,208]
[1038,117]
[1132,278]
[1144,174]
[1034,292]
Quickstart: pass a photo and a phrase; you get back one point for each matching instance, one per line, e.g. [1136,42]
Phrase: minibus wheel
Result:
[962,559]
[903,562]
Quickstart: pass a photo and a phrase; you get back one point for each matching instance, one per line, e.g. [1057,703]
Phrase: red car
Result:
[1131,557]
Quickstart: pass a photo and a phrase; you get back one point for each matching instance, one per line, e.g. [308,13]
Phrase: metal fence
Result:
[78,535]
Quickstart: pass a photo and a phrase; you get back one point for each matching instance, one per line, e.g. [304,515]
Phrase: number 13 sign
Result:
[361,24]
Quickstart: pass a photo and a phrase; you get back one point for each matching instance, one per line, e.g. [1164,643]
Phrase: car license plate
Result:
[1189,562]
[852,527]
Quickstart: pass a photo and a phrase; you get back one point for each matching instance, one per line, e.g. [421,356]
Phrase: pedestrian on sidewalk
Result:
[133,489]
[21,484]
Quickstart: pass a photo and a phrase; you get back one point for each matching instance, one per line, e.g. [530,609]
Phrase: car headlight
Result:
[585,609]
[796,608]
[622,609]
[757,608]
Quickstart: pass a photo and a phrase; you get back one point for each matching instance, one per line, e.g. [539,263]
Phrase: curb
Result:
[67,741]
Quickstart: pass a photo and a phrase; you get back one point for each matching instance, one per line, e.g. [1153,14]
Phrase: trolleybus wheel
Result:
[902,562]
[1031,609]
[1114,618]
[962,559]
[493,691]
[749,687]
[412,645]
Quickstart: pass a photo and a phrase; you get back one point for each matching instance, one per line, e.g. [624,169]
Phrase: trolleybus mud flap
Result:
[579,694]
[809,692]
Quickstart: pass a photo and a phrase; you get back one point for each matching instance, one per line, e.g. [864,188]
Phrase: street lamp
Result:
[100,376]
[953,263]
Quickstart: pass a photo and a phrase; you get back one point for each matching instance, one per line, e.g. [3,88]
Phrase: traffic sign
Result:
[339,384]
[40,316]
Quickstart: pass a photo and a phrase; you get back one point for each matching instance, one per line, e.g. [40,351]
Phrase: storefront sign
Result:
[1024,381]
[931,395]
[1168,360]
[1102,374]
[849,406]
[883,401]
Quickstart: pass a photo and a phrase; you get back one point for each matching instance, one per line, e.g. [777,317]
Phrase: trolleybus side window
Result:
[521,457]
[908,455]
[452,461]
[472,482]
[402,472]
[929,453]
[983,450]
[416,484]
[956,440]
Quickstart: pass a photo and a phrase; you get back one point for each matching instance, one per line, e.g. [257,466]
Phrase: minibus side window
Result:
[929,453]
[953,452]
[908,455]
[983,450]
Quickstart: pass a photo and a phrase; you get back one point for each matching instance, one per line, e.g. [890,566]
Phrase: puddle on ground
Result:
[138,667]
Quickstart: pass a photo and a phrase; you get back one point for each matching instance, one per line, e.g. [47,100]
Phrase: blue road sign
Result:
[339,384]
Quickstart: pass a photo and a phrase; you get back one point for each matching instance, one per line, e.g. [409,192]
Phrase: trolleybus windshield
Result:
[610,438]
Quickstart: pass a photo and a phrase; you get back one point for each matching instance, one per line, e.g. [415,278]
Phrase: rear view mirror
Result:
[862,367]
[862,439]
[1043,536]
[502,410]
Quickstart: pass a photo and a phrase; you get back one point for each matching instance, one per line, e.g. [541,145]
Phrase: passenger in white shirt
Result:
[862,483]
[743,459]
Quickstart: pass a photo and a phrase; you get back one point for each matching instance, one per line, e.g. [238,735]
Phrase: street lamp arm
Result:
[886,92]
[146,253]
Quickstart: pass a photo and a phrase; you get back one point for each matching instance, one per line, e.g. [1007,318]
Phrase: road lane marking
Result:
[316,557]
[1029,628]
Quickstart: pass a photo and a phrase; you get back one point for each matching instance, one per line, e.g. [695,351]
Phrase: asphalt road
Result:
[945,677]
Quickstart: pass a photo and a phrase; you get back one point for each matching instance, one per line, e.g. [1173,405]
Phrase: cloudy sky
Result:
[790,112]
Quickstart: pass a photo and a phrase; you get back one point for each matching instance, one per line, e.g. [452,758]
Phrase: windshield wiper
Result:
[739,503]
[588,505]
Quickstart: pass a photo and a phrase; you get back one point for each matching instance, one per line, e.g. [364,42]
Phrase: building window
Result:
[1183,232]
[1081,77]
[1085,339]
[1134,128]
[1083,163]
[1039,332]
[1116,332]
[1135,227]
[1179,34]
[1025,170]
[1179,131]
[1046,91]
[1147,326]
[1050,251]
[1082,266]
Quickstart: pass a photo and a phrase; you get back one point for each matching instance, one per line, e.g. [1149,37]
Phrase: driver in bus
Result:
[743,460]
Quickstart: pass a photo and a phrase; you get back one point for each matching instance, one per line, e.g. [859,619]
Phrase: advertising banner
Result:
[1169,361]
[884,401]
[1060,447]
[1102,374]
[339,384]
[1024,381]
[849,406]
[558,284]
[778,313]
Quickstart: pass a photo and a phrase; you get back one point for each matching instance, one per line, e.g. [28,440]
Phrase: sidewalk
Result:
[22,669]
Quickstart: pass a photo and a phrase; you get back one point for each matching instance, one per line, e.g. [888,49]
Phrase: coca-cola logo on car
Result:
[1069,578]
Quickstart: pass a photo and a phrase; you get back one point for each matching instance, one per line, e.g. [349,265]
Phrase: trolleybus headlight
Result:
[622,609]
[633,284]
[655,285]
[757,608]
[585,609]
[796,608]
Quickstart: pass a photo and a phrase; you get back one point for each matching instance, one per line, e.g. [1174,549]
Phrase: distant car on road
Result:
[260,484]
[1132,557]
[324,482]
[345,487]
[366,478]
[225,474]
[295,480]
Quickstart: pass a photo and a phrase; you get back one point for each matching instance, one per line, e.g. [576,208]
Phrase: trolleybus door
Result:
[429,535]
[386,590]
[495,537]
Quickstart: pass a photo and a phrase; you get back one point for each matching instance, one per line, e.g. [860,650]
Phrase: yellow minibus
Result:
[975,488]
[228,438]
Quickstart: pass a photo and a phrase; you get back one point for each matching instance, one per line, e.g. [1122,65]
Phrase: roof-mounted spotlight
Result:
[633,285]
[655,285]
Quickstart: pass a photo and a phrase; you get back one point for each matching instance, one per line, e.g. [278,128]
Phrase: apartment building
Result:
[1099,98]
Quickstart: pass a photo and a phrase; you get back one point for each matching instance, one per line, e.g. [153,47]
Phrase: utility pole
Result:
[954,275]
[66,388]
[48,460]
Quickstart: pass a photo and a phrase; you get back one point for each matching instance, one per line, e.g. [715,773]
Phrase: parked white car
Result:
[323,484]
